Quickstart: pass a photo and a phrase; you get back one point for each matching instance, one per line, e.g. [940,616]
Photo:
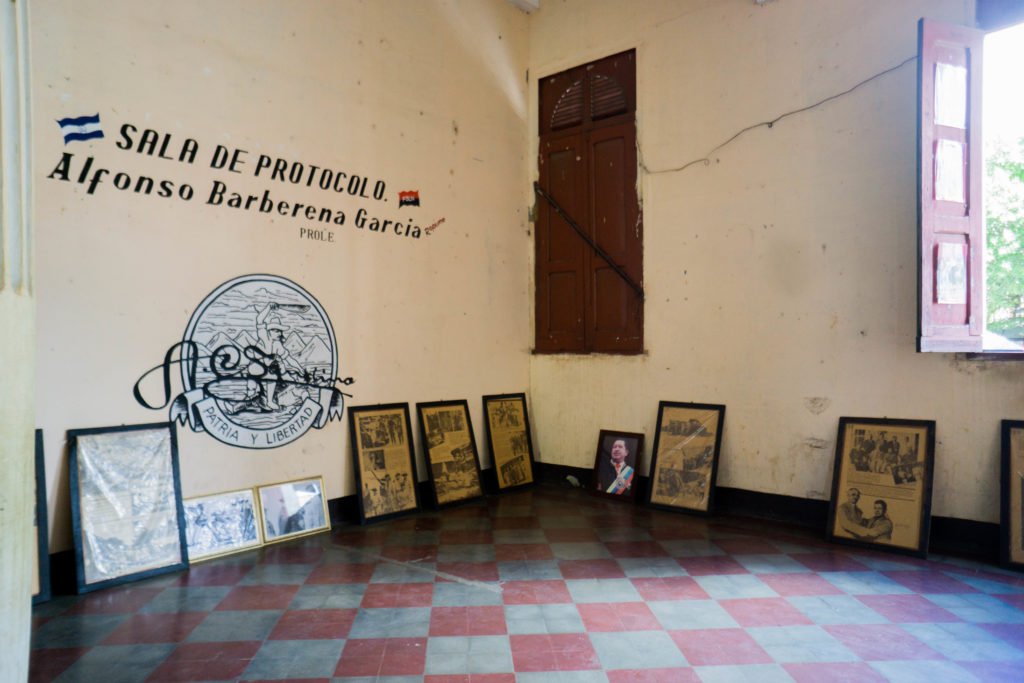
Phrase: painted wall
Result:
[426,96]
[780,275]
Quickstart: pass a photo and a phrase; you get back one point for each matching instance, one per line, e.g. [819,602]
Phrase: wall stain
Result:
[817,404]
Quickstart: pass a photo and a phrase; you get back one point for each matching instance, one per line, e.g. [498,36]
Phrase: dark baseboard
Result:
[949,535]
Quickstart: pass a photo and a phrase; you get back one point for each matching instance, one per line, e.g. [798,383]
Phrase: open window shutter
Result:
[950,167]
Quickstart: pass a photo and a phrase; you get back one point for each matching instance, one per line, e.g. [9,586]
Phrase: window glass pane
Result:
[949,171]
[950,95]
[951,274]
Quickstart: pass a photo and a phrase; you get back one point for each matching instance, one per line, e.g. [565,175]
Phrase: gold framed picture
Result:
[882,484]
[293,508]
[684,466]
[451,451]
[382,457]
[507,425]
[1011,518]
[221,524]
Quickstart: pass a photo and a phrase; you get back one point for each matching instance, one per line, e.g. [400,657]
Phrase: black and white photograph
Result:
[509,440]
[684,464]
[294,508]
[451,451]
[385,472]
[221,524]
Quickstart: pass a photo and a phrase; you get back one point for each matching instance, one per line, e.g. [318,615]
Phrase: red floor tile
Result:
[383,657]
[553,652]
[906,609]
[471,511]
[213,574]
[470,678]
[829,562]
[314,624]
[591,569]
[618,616]
[753,612]
[468,621]
[711,564]
[798,583]
[881,642]
[155,628]
[466,536]
[518,552]
[1013,600]
[1011,633]
[834,672]
[929,582]
[677,533]
[45,664]
[670,588]
[411,553]
[341,573]
[258,597]
[119,601]
[580,535]
[360,538]
[746,546]
[635,549]
[719,646]
[473,571]
[653,676]
[398,595]
[206,661]
[535,592]
[427,524]
[994,672]
[501,523]
[287,554]
[285,680]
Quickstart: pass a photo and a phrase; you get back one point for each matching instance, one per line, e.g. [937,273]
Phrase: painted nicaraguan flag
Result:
[80,128]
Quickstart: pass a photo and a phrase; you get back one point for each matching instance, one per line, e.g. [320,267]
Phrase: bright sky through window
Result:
[1003,86]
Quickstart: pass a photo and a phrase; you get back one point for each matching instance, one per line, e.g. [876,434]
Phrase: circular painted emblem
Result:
[259,363]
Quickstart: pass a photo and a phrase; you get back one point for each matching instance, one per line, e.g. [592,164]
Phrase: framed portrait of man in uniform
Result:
[618,455]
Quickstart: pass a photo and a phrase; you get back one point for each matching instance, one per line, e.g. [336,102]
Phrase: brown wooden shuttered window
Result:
[588,165]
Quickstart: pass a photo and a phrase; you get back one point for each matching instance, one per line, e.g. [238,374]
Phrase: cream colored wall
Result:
[781,276]
[426,95]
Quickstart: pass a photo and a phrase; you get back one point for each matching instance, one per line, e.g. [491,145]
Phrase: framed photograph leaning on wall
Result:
[451,451]
[293,508]
[618,456]
[684,464]
[41,577]
[221,524]
[882,484]
[382,452]
[126,512]
[508,438]
[1011,519]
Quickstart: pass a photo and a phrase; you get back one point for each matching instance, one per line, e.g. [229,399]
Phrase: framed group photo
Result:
[684,463]
[1011,517]
[127,517]
[222,524]
[508,438]
[882,484]
[618,454]
[293,508]
[450,448]
[41,575]
[382,453]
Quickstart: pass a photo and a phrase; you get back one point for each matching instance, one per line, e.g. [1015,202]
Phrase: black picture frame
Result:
[684,459]
[449,448]
[509,440]
[606,480]
[1011,501]
[376,495]
[42,526]
[890,462]
[85,534]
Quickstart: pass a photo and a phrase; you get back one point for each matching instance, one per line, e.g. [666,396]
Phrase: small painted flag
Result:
[409,198]
[80,128]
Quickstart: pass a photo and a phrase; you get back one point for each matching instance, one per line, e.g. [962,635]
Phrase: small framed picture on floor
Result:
[684,464]
[618,454]
[1011,519]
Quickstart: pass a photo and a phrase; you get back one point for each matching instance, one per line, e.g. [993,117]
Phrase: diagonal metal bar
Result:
[586,238]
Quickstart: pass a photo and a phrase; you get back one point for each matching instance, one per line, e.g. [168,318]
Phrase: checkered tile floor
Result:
[546,585]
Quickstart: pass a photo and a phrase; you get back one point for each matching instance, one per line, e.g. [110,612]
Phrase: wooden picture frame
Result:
[450,449]
[684,462]
[41,574]
[383,461]
[222,524]
[1011,505]
[127,517]
[615,464]
[507,425]
[890,464]
[292,509]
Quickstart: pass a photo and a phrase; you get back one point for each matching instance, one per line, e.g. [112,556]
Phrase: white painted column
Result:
[17,346]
